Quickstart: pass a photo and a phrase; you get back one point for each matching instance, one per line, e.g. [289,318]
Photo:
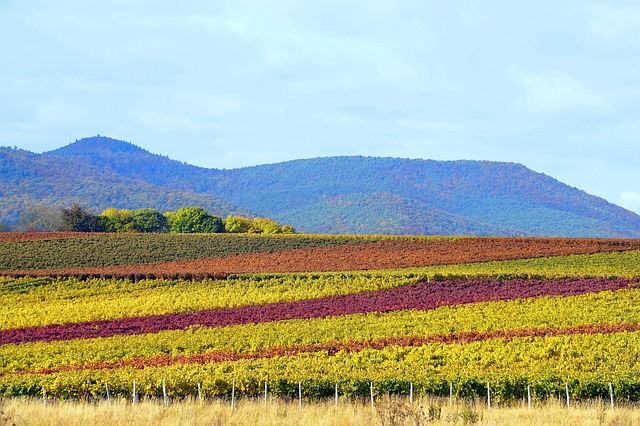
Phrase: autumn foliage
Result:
[315,311]
[421,296]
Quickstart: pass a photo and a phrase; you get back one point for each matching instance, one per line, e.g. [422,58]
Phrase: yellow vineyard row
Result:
[551,312]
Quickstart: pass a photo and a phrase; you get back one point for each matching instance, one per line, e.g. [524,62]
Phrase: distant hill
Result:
[28,179]
[327,195]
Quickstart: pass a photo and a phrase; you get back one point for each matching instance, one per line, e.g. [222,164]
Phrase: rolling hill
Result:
[322,195]
[28,179]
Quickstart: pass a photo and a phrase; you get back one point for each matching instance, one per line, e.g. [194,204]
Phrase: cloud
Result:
[630,200]
[471,16]
[553,93]
[160,121]
[344,120]
[207,104]
[614,24]
[58,113]
[431,126]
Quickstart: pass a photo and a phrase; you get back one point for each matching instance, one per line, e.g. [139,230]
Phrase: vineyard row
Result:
[215,256]
[333,347]
[604,308]
[588,362]
[421,296]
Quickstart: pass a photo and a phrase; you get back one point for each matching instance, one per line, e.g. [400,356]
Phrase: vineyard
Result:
[309,316]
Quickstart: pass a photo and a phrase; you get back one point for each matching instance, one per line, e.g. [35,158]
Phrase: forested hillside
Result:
[328,195]
[28,180]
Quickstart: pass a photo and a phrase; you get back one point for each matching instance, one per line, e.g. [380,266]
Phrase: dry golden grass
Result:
[255,413]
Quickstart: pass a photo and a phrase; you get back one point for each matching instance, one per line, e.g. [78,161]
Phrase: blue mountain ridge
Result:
[355,194]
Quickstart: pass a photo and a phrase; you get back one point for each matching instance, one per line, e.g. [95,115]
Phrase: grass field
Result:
[386,412]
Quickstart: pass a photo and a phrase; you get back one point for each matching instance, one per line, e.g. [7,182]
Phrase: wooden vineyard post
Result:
[488,395]
[106,385]
[611,394]
[164,392]
[199,393]
[44,397]
[566,386]
[336,395]
[411,393]
[450,394]
[372,399]
[300,395]
[135,395]
[265,393]
[233,394]
[529,396]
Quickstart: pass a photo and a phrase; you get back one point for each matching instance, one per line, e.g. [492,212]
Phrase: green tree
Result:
[193,220]
[118,220]
[76,219]
[262,225]
[288,229]
[237,224]
[149,220]
[211,224]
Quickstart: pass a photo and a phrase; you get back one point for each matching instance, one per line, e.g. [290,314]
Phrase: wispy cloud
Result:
[58,113]
[556,92]
[340,119]
[161,121]
[614,23]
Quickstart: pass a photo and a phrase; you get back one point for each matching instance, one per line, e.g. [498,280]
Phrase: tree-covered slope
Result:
[28,180]
[344,194]
[491,197]
[385,213]
[127,159]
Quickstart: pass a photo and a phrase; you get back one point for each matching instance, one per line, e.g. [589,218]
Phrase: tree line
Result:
[184,220]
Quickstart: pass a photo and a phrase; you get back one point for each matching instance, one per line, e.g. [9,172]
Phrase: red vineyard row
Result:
[421,296]
[333,347]
[384,254]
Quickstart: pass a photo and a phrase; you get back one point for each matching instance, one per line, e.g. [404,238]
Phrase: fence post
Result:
[164,392]
[233,394]
[611,394]
[265,393]
[411,393]
[372,399]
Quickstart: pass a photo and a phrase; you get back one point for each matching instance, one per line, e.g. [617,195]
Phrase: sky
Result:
[553,85]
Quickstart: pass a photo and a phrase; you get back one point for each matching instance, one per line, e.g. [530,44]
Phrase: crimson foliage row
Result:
[419,296]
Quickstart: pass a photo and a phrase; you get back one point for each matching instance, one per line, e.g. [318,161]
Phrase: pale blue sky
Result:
[554,85]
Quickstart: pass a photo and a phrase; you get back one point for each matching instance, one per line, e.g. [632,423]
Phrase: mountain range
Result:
[359,195]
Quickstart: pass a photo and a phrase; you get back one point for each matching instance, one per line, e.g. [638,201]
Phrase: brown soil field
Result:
[386,254]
